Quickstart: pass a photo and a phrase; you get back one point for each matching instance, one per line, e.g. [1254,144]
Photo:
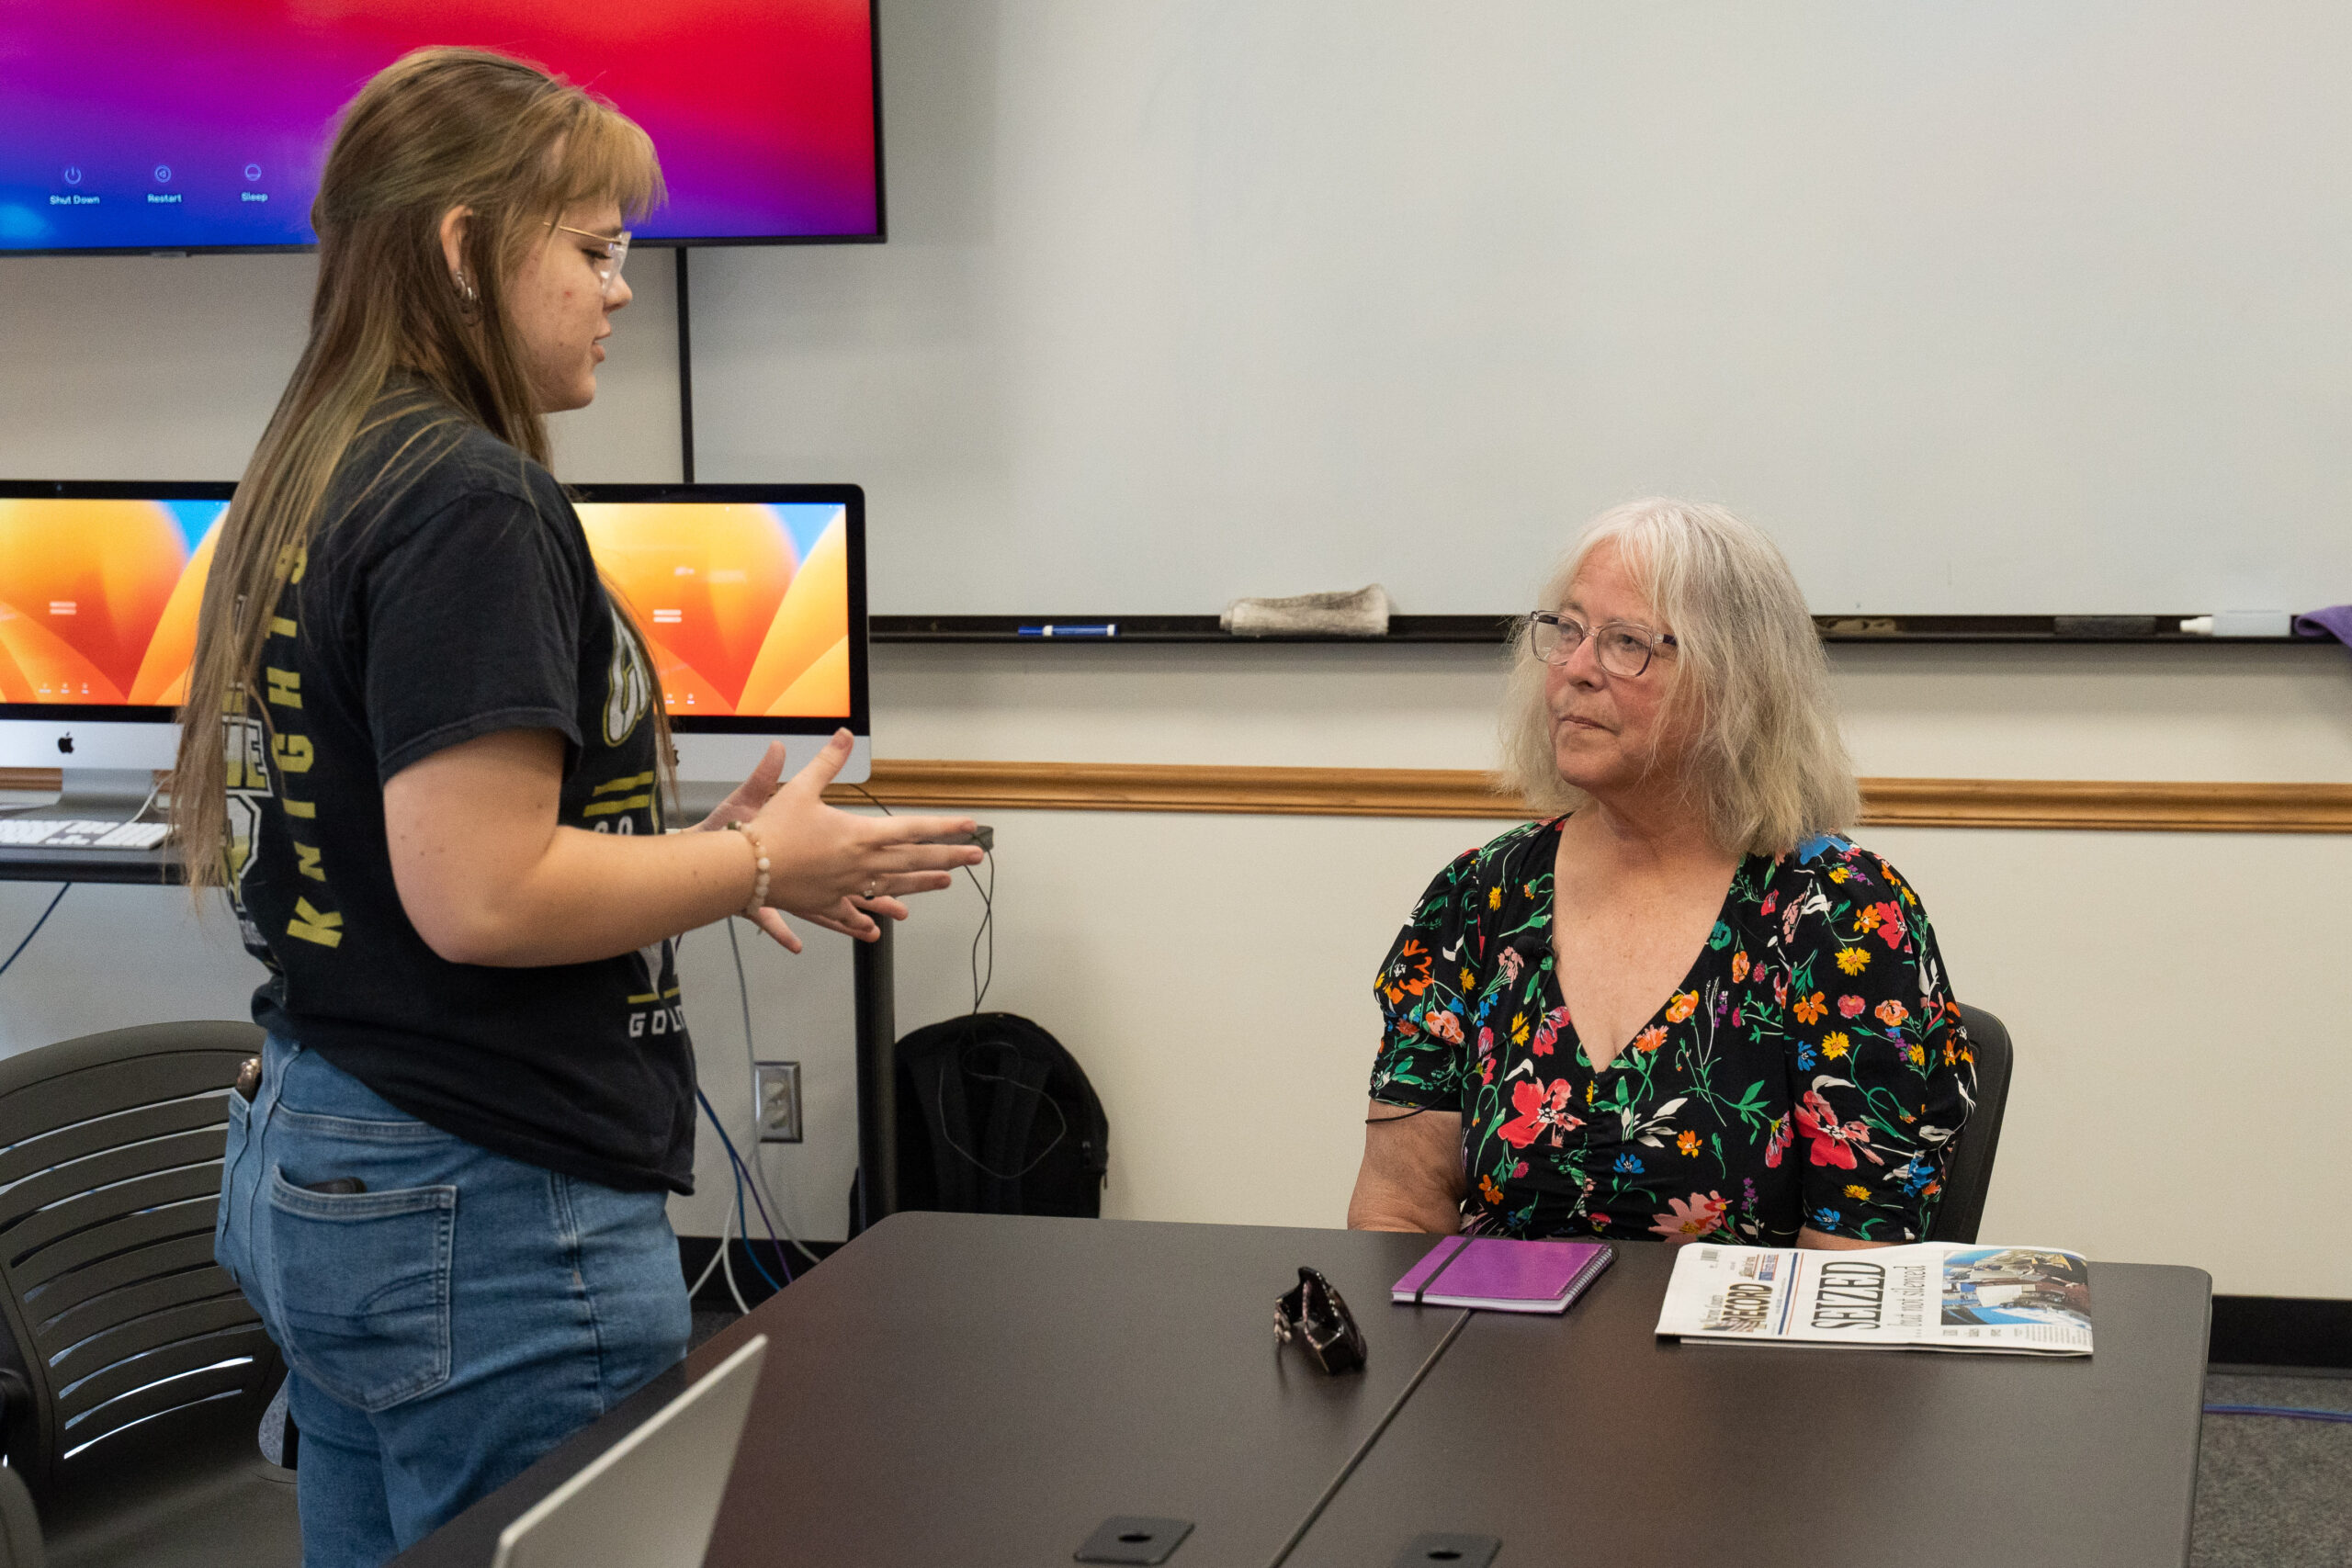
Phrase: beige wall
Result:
[2182,1055]
[165,368]
[2182,1051]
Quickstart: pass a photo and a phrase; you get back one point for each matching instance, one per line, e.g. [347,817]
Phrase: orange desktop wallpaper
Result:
[746,604]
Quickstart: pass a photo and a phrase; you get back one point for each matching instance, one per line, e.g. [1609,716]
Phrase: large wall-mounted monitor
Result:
[201,125]
[753,597]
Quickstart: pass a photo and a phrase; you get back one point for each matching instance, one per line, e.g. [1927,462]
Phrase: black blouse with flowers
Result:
[1810,1069]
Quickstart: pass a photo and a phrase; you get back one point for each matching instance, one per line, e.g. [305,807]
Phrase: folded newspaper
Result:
[2032,1301]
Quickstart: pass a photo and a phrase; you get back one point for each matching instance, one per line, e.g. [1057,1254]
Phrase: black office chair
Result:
[139,1370]
[1970,1173]
[20,1544]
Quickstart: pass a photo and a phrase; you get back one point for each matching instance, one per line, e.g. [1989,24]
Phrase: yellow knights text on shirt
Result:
[311,925]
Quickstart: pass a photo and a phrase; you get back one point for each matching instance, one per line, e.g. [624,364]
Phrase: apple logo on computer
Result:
[65,744]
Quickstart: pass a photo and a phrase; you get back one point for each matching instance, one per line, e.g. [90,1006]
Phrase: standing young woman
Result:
[434,798]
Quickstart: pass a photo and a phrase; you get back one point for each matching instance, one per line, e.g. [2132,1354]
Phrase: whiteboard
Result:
[2003,306]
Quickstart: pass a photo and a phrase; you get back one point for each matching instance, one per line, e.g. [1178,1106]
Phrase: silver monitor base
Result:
[100,795]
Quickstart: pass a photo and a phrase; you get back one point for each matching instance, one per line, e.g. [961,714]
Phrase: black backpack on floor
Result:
[996,1118]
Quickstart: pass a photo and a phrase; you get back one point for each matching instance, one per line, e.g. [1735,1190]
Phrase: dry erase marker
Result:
[2241,623]
[1052,628]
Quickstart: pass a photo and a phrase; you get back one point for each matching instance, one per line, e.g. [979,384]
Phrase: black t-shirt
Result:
[448,594]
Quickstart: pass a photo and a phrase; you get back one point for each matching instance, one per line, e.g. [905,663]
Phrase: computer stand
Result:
[100,795]
[873,986]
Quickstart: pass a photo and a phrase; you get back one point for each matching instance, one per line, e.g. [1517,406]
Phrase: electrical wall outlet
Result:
[779,1087]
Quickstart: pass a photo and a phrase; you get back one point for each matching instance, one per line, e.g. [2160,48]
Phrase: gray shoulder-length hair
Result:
[1766,758]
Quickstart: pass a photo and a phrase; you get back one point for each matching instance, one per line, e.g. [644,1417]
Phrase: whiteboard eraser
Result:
[2253,623]
[2100,627]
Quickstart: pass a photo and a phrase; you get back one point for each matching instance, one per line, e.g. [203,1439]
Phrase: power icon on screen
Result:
[72,173]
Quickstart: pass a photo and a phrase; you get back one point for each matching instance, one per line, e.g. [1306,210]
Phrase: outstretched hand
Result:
[829,867]
[744,801]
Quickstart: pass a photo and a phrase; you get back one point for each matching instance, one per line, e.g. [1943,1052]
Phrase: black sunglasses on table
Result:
[1313,1313]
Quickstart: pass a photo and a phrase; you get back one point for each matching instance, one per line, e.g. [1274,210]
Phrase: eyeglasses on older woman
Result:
[1623,649]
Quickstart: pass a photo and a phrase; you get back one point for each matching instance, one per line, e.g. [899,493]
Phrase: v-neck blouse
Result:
[1811,1069]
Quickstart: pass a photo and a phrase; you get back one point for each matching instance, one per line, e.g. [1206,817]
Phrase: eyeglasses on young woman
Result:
[607,255]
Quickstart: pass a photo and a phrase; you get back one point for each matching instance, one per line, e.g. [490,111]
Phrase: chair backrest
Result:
[20,1541]
[110,1151]
[1970,1172]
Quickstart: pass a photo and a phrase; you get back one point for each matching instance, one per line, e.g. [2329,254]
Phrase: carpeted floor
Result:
[2273,1493]
[707,1323]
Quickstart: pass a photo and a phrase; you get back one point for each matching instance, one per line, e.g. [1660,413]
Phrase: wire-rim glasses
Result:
[615,246]
[1623,649]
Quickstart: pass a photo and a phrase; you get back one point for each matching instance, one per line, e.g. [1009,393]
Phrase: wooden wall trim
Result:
[1257,792]
[2203,807]
[2131,806]
[2126,806]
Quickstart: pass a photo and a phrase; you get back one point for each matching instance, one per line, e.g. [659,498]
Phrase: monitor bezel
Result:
[881,232]
[849,498]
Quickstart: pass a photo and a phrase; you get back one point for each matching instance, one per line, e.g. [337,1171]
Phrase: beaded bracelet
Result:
[760,872]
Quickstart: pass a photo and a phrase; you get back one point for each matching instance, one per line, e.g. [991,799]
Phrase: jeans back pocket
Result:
[363,1288]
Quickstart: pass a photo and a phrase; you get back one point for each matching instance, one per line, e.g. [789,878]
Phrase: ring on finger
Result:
[872,885]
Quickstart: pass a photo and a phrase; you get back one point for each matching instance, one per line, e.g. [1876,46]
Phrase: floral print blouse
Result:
[1810,1069]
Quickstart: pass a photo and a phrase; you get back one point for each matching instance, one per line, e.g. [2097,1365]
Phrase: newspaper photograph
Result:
[1931,1295]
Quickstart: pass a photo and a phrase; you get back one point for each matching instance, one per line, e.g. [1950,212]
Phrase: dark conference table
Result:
[1592,1440]
[978,1390]
[982,1392]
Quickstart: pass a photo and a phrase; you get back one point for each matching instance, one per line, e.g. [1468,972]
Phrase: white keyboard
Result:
[50,833]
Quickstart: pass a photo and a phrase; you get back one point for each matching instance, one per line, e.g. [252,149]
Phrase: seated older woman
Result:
[1683,1006]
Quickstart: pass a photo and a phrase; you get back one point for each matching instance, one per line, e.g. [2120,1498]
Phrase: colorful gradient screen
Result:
[753,609]
[191,124]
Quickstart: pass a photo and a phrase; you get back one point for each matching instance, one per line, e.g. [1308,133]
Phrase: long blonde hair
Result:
[438,128]
[1767,763]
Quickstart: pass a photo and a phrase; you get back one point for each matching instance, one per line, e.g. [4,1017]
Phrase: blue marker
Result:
[1053,630]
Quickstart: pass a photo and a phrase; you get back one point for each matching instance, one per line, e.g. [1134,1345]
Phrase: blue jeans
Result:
[446,1326]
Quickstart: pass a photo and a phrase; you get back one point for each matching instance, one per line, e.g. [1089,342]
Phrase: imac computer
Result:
[752,597]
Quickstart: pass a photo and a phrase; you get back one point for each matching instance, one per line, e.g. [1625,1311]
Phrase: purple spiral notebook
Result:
[1497,1274]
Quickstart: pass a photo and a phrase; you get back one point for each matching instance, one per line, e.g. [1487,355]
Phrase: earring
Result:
[466,290]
